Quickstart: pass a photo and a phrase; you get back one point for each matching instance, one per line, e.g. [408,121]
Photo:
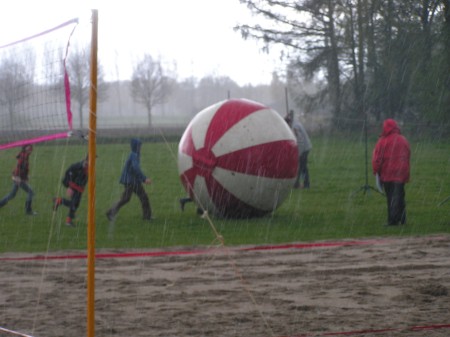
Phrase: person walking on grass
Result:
[304,146]
[391,162]
[75,179]
[133,179]
[20,180]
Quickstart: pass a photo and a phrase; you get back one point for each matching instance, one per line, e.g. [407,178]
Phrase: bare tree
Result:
[149,84]
[78,66]
[310,32]
[16,79]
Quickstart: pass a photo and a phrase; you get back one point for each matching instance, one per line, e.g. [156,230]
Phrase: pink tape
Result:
[67,83]
[66,90]
[35,140]
[42,33]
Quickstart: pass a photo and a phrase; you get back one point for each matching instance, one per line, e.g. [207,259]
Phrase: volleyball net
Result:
[35,101]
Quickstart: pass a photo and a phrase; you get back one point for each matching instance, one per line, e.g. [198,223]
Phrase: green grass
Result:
[333,208]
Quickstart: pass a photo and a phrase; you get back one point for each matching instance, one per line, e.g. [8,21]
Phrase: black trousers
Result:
[395,193]
[138,189]
[302,170]
[73,203]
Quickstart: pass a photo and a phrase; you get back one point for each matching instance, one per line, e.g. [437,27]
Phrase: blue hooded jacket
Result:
[131,173]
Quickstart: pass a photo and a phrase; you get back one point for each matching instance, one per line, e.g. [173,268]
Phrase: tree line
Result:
[351,59]
[369,58]
[151,89]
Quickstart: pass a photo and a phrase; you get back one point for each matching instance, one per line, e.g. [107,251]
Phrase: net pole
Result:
[91,179]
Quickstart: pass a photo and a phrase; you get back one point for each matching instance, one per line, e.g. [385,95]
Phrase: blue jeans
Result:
[24,186]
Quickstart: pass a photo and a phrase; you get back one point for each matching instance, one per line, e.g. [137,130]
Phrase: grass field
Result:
[333,208]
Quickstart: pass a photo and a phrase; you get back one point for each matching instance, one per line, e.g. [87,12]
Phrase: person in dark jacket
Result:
[391,162]
[20,180]
[132,178]
[304,147]
[75,179]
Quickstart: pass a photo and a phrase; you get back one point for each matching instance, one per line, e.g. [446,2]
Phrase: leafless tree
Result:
[16,78]
[78,66]
[149,84]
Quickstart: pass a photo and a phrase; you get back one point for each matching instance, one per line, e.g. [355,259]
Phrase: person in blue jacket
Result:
[132,178]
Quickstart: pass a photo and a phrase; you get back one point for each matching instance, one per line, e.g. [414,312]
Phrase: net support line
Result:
[36,140]
[91,179]
[14,332]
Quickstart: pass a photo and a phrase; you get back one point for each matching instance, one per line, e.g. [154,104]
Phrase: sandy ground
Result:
[386,287]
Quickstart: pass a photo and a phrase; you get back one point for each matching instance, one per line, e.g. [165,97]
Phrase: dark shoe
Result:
[110,216]
[56,203]
[32,213]
[69,222]
[182,203]
[403,220]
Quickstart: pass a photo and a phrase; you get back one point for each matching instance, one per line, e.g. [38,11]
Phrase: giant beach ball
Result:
[238,159]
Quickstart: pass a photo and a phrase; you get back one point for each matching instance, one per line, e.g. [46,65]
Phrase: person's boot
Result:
[182,203]
[28,209]
[69,222]
[56,203]
[403,218]
[110,215]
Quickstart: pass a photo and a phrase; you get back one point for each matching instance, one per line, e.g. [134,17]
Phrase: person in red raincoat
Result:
[391,162]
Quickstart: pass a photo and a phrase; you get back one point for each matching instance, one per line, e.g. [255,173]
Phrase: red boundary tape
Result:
[253,248]
[358,332]
[193,252]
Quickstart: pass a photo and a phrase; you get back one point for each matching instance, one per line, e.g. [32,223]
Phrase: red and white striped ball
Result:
[238,159]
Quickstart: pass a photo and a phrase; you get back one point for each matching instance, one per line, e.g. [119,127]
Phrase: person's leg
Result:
[74,204]
[183,201]
[145,202]
[305,172]
[299,172]
[403,206]
[10,195]
[58,201]
[125,198]
[29,200]
[398,203]
[389,190]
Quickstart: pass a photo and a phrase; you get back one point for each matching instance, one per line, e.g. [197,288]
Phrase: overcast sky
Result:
[196,35]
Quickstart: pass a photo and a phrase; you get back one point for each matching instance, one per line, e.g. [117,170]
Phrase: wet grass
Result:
[337,205]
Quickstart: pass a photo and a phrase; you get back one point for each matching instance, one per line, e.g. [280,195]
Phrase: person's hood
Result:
[390,126]
[135,145]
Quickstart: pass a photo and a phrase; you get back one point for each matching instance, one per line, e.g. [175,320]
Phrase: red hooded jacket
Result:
[22,168]
[390,158]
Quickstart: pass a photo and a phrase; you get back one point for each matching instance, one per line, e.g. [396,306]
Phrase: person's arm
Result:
[377,158]
[136,167]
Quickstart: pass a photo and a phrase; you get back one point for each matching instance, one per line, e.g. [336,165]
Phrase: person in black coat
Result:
[74,180]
